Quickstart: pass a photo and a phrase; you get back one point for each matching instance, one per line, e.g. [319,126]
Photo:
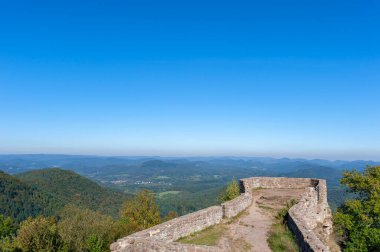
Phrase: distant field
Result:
[162,177]
[161,194]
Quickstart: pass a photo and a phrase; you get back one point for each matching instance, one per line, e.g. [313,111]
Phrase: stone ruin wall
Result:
[161,237]
[310,219]
[234,207]
[310,212]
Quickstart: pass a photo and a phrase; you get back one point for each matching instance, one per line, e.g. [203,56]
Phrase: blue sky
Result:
[296,78]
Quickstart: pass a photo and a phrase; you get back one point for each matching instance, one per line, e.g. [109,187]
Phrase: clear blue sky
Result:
[295,78]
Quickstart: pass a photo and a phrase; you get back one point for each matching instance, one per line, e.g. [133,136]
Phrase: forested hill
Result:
[47,191]
[19,200]
[68,187]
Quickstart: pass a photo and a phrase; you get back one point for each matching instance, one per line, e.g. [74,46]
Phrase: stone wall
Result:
[234,207]
[311,213]
[151,245]
[281,182]
[172,230]
[310,219]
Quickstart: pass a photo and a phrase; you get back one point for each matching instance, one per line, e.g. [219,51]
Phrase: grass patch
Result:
[209,236]
[257,189]
[238,216]
[265,207]
[162,194]
[281,239]
[243,245]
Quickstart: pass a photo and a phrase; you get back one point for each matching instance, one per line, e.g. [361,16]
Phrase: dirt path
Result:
[249,232]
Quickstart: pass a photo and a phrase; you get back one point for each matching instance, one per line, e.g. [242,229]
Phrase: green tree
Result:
[141,211]
[95,244]
[7,226]
[171,215]
[358,220]
[9,244]
[232,191]
[39,234]
[86,230]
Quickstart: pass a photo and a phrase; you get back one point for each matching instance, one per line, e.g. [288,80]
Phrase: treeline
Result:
[78,229]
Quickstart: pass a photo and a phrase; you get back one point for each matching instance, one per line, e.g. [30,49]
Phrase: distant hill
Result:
[47,191]
[332,175]
[19,200]
[67,187]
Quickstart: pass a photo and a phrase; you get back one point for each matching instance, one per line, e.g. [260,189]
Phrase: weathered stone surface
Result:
[234,207]
[281,182]
[174,229]
[150,245]
[310,212]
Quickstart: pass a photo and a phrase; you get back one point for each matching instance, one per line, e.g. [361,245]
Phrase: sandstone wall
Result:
[307,239]
[281,182]
[172,230]
[310,219]
[234,207]
[153,245]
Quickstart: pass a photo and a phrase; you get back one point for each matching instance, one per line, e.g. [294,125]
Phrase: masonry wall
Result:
[172,230]
[279,182]
[310,212]
[150,245]
[234,207]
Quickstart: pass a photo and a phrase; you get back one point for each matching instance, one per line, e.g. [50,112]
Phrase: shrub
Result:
[141,211]
[86,230]
[39,234]
[7,226]
[232,191]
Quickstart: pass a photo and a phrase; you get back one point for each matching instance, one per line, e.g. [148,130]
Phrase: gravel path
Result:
[249,232]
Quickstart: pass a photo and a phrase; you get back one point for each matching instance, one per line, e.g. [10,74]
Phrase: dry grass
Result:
[209,236]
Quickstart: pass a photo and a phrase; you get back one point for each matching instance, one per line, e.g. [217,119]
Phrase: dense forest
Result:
[19,200]
[66,187]
[47,191]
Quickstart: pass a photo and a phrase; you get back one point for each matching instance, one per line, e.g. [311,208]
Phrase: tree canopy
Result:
[358,220]
[141,211]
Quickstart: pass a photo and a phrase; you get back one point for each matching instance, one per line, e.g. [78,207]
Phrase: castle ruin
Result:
[310,219]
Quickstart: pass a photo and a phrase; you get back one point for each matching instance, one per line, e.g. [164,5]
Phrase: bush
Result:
[232,191]
[86,230]
[7,227]
[39,234]
[9,244]
[141,211]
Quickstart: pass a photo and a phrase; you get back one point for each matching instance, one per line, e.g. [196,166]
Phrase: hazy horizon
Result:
[189,156]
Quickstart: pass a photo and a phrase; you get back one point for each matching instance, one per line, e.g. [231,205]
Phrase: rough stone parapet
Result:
[278,182]
[234,207]
[150,245]
[310,212]
[174,229]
